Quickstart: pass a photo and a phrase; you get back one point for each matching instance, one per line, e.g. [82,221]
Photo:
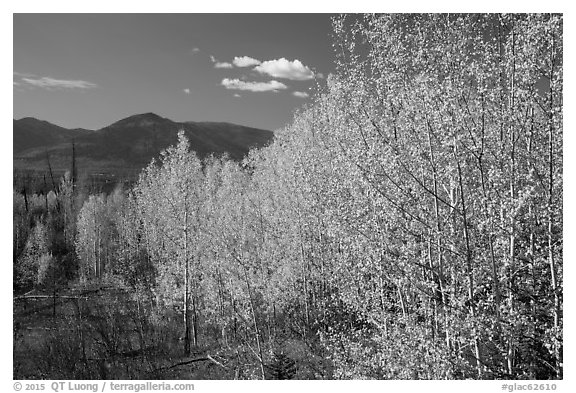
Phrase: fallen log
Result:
[201,359]
[23,297]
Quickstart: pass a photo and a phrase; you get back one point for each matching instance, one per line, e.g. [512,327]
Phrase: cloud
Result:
[195,50]
[237,84]
[20,75]
[222,65]
[300,94]
[187,91]
[282,68]
[47,83]
[245,61]
[237,95]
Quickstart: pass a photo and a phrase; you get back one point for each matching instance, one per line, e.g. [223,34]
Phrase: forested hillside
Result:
[406,225]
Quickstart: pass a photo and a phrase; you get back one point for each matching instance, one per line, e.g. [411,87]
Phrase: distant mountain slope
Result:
[30,132]
[126,146]
[139,138]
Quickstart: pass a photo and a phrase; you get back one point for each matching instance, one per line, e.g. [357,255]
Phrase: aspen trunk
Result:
[440,261]
[469,269]
[551,261]
[254,320]
[186,299]
[511,347]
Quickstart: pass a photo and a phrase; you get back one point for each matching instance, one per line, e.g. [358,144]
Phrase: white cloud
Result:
[222,65]
[282,68]
[237,84]
[195,50]
[47,82]
[300,94]
[237,95]
[245,61]
[187,91]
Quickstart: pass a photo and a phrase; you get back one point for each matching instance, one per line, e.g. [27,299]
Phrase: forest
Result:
[406,225]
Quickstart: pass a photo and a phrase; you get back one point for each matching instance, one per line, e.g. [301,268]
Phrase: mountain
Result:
[123,148]
[30,132]
[139,138]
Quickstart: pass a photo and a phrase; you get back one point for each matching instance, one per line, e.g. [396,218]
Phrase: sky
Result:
[90,70]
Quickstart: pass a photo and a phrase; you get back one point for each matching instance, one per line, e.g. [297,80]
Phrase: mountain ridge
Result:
[124,147]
